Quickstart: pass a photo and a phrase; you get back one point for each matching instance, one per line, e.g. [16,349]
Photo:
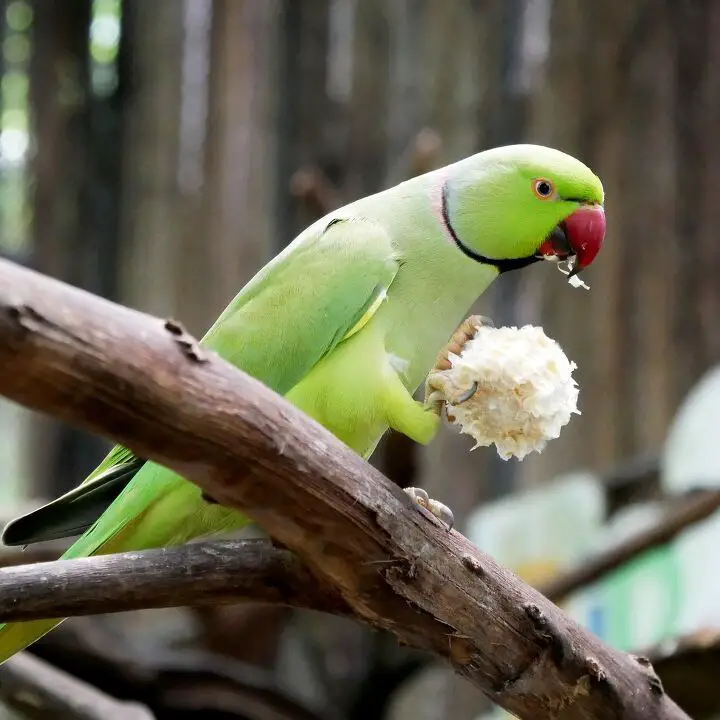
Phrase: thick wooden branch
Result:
[202,573]
[230,571]
[226,572]
[39,690]
[144,382]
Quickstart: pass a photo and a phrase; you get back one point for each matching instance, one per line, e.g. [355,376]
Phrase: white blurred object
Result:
[627,522]
[542,531]
[690,457]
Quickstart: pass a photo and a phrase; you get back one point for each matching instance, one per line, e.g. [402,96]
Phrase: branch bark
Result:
[39,690]
[202,573]
[147,384]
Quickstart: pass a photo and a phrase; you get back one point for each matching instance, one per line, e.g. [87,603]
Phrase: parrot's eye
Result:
[543,188]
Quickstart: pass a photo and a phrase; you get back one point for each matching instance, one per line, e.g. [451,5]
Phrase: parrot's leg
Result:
[407,415]
[438,391]
[438,388]
[440,511]
[413,419]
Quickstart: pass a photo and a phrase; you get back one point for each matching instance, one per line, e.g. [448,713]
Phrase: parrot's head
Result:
[514,205]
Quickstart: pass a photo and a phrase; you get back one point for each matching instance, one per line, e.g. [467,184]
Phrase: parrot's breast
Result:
[355,390]
[345,391]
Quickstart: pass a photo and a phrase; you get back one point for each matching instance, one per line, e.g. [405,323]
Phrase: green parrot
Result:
[345,323]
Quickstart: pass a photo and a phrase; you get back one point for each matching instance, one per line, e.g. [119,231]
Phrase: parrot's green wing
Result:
[299,307]
[294,312]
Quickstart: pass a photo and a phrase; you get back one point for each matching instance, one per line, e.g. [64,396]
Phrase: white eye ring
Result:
[543,189]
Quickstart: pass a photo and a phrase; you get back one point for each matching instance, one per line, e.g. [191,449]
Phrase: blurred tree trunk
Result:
[308,140]
[200,191]
[67,182]
[200,178]
[632,89]
[231,230]
[152,203]
[323,658]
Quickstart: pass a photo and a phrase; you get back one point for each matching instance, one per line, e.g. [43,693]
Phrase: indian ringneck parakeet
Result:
[345,323]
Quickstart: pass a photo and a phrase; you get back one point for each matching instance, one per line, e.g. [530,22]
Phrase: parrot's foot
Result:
[440,511]
[438,387]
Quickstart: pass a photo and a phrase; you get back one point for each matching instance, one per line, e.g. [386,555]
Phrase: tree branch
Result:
[41,691]
[217,573]
[147,384]
[690,511]
[202,573]
[230,571]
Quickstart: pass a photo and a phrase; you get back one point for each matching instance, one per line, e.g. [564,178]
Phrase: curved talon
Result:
[442,512]
[434,401]
[435,397]
[464,397]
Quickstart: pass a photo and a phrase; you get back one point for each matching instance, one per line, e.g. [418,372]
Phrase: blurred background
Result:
[158,152]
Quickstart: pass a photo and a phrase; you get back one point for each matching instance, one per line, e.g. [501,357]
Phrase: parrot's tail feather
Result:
[135,521]
[15,637]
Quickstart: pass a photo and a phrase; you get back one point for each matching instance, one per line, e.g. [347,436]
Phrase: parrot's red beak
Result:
[580,234]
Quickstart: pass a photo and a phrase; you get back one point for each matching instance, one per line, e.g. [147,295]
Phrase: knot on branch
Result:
[25,316]
[188,345]
[654,681]
[545,631]
[28,320]
[596,673]
[473,565]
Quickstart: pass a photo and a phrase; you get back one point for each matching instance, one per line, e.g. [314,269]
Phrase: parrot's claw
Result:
[437,390]
[434,397]
[442,512]
[464,397]
[439,510]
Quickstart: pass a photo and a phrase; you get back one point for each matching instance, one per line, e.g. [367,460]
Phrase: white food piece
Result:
[526,392]
[575,281]
[566,268]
